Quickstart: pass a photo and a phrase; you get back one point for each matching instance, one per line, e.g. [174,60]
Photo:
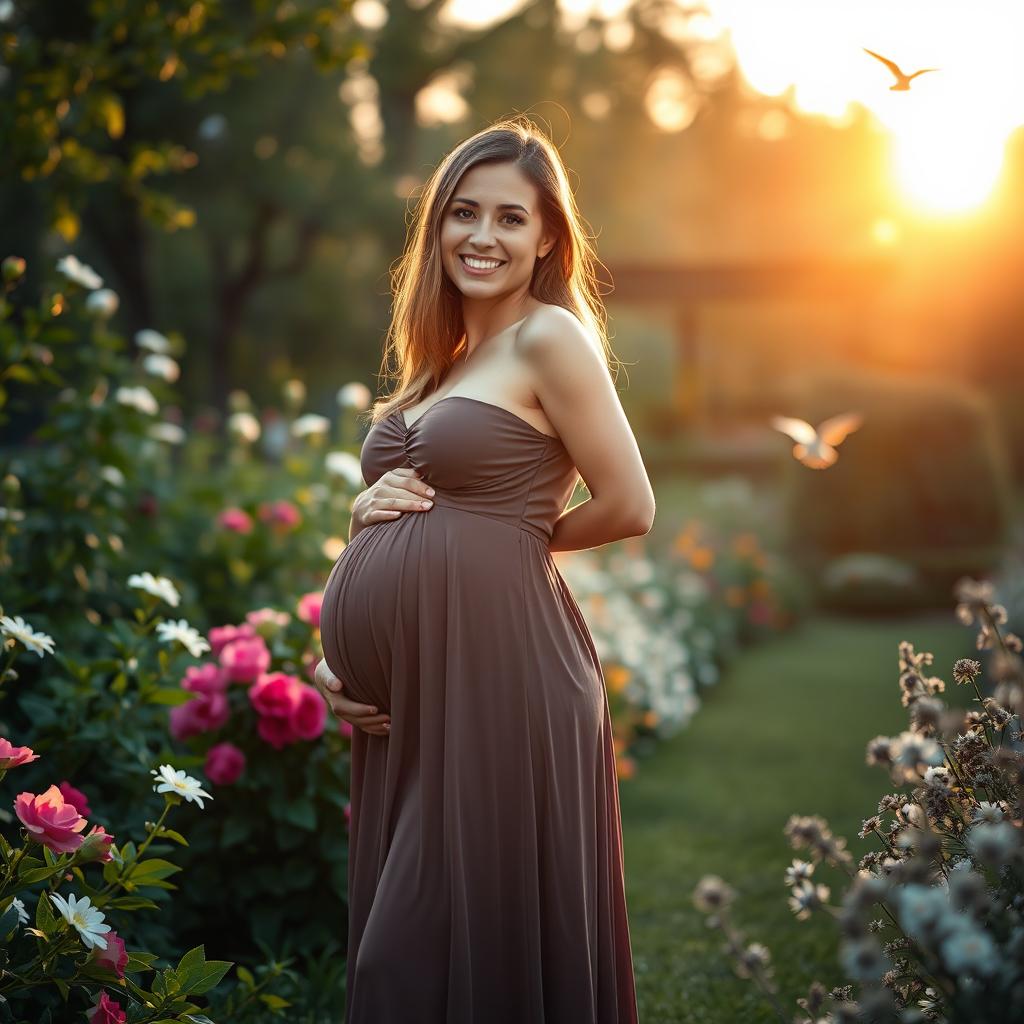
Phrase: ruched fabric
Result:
[486,864]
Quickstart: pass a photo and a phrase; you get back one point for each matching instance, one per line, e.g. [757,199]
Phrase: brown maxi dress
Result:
[485,866]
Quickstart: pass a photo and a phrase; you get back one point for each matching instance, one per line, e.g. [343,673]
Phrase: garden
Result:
[185,368]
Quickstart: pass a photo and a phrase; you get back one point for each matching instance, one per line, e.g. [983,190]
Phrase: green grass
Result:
[783,732]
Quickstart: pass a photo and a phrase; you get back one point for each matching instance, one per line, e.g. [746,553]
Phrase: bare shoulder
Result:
[553,333]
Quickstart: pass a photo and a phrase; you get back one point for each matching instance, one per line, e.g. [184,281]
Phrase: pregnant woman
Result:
[485,866]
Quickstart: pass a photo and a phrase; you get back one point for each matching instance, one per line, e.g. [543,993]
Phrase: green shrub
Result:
[925,479]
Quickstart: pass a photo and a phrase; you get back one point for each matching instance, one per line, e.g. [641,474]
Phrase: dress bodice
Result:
[479,457]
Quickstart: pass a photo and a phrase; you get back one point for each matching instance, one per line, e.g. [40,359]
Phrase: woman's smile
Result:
[480,266]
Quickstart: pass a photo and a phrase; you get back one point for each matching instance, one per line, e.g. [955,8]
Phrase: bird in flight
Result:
[902,80]
[816,449]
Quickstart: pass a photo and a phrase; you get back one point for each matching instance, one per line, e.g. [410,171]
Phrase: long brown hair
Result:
[427,327]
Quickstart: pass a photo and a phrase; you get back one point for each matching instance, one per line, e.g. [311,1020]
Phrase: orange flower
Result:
[626,767]
[702,559]
[745,544]
[735,596]
[617,676]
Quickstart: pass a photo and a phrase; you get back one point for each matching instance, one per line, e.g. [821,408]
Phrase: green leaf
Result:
[132,903]
[301,813]
[245,976]
[36,875]
[274,1002]
[46,920]
[155,867]
[172,695]
[169,833]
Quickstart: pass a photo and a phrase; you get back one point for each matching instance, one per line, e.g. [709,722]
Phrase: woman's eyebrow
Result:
[501,206]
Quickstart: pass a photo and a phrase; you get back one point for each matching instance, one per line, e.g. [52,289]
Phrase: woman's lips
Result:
[474,272]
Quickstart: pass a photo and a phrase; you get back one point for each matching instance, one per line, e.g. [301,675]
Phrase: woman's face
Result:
[493,214]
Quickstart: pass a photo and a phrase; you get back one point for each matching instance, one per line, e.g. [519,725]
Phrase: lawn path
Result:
[783,732]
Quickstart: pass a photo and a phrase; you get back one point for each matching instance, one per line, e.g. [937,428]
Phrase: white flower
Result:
[139,397]
[169,432]
[159,586]
[212,126]
[864,960]
[19,906]
[989,812]
[83,916]
[911,749]
[311,423]
[345,465]
[13,515]
[112,475]
[922,909]
[20,630]
[152,341]
[294,391]
[968,948]
[161,366]
[171,781]
[244,425]
[103,302]
[354,396]
[181,632]
[993,842]
[81,273]
[798,871]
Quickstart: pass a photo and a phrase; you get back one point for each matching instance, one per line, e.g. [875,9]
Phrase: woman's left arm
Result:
[570,377]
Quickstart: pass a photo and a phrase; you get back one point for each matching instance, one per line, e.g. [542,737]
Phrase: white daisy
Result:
[20,630]
[112,475]
[345,465]
[19,906]
[171,781]
[354,395]
[244,425]
[181,632]
[161,366]
[84,917]
[81,273]
[311,423]
[158,586]
[152,341]
[169,432]
[103,302]
[139,397]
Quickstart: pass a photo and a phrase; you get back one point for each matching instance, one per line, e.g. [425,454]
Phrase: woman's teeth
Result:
[479,266]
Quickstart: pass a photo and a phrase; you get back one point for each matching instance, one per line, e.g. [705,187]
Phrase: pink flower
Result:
[275,694]
[50,820]
[276,731]
[76,798]
[281,515]
[114,957]
[245,659]
[108,1011]
[309,608]
[310,713]
[208,678]
[224,764]
[345,728]
[203,713]
[267,621]
[11,756]
[221,636]
[96,846]
[235,519]
[348,814]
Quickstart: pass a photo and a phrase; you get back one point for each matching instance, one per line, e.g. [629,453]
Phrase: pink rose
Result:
[114,957]
[309,714]
[108,1011]
[281,515]
[276,731]
[50,821]
[203,713]
[348,814]
[221,636]
[224,764]
[76,798]
[12,756]
[345,728]
[275,694]
[235,519]
[245,659]
[309,608]
[96,846]
[267,621]
[208,678]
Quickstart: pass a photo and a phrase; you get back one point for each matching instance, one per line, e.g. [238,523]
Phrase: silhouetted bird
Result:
[902,80]
[816,448]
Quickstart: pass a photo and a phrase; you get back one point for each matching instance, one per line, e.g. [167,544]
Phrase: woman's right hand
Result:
[365,716]
[397,491]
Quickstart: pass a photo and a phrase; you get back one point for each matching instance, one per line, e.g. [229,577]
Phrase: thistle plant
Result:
[932,922]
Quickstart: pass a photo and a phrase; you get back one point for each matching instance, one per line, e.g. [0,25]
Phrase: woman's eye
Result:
[517,219]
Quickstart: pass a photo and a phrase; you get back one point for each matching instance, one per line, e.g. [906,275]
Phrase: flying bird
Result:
[902,80]
[816,449]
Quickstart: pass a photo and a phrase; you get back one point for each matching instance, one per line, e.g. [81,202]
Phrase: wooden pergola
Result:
[855,285]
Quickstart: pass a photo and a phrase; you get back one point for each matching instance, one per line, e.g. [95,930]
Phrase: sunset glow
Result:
[948,131]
